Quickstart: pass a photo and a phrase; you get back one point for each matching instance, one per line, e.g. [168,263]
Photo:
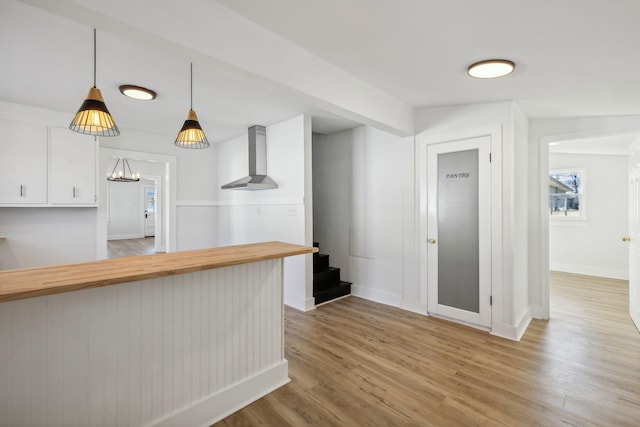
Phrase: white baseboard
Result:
[511,332]
[213,408]
[124,236]
[376,295]
[635,316]
[537,312]
[500,329]
[414,306]
[299,303]
[590,270]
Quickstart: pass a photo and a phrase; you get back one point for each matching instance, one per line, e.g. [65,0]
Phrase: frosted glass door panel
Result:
[458,238]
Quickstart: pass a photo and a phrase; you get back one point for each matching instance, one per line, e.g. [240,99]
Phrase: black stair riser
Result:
[321,287]
[320,263]
[336,292]
[331,275]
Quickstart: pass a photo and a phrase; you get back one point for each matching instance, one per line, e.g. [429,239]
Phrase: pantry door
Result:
[459,230]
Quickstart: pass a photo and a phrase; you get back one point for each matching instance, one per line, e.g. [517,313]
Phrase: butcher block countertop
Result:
[33,282]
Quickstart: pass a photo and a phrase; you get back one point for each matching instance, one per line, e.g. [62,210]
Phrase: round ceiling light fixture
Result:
[138,92]
[491,68]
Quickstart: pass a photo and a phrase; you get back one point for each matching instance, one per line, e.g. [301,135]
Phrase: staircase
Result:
[326,280]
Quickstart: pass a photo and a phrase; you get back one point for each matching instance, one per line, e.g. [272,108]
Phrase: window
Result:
[566,194]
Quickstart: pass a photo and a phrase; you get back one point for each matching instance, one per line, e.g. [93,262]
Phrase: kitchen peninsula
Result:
[181,338]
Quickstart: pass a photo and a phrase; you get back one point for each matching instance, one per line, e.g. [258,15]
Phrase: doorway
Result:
[589,233]
[131,220]
[459,230]
[155,170]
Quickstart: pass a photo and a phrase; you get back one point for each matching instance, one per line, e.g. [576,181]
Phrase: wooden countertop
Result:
[33,282]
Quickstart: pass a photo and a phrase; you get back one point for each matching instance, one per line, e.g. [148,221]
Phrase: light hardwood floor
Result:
[357,363]
[130,247]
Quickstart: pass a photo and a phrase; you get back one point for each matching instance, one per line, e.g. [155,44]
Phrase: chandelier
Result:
[121,175]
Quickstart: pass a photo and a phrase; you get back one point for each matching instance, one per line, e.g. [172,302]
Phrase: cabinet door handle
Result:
[21,190]
[74,192]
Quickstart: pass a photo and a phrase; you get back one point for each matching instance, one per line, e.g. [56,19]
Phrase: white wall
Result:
[541,132]
[376,229]
[594,247]
[278,214]
[126,209]
[38,237]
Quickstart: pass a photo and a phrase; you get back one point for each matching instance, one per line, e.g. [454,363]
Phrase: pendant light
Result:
[93,117]
[191,135]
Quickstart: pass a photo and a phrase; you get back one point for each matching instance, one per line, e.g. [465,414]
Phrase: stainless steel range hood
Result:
[257,178]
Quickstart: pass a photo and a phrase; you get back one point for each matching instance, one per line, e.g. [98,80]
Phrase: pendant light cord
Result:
[94,57]
[191,106]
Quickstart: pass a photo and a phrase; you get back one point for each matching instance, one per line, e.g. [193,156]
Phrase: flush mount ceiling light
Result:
[122,176]
[491,68]
[93,117]
[191,135]
[138,92]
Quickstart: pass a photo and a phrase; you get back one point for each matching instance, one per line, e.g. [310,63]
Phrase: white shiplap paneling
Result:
[143,352]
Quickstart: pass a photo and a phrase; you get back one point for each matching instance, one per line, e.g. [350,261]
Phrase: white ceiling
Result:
[574,57]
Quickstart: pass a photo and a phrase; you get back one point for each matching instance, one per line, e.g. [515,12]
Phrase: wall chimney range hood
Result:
[257,178]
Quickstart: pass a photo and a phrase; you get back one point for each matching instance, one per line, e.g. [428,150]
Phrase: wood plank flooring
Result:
[130,247]
[358,363]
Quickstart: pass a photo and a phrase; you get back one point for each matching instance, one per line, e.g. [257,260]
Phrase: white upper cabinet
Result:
[23,163]
[72,168]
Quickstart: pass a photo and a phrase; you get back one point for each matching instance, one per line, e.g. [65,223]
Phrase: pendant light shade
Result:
[93,117]
[191,135]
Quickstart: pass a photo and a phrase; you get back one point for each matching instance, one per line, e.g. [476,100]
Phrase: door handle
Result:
[432,241]
[626,239]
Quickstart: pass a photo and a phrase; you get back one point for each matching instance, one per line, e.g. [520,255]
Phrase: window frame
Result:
[581,218]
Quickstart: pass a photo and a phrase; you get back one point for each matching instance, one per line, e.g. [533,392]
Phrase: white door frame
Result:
[634,233]
[544,203]
[497,257]
[166,189]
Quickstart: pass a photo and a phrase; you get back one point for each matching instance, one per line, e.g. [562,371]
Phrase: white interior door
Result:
[459,230]
[149,211]
[634,234]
